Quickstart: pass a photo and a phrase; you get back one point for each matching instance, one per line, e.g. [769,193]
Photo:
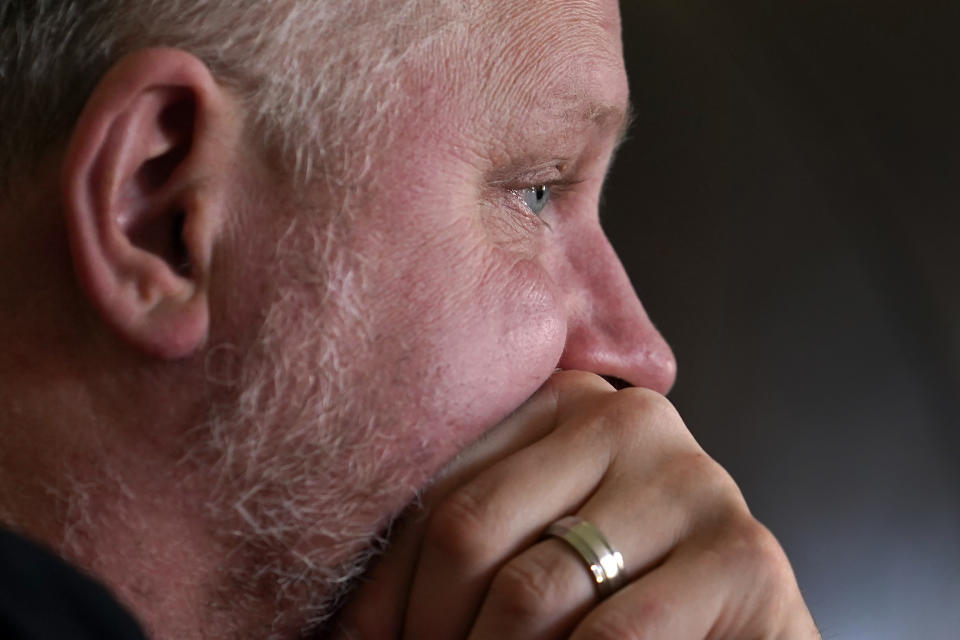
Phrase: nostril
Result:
[617,383]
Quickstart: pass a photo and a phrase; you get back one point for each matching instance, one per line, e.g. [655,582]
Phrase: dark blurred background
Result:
[787,207]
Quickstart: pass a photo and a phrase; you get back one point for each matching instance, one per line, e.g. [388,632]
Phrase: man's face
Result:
[474,299]
[451,297]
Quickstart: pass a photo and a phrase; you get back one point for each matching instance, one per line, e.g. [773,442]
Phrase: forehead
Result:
[555,51]
[516,65]
[555,54]
[577,26]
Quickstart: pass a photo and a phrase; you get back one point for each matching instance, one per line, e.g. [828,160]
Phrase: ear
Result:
[145,184]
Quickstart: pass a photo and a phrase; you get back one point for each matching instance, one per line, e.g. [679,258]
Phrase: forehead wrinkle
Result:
[539,78]
[557,59]
[568,94]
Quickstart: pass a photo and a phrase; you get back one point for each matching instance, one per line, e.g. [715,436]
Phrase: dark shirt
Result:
[44,598]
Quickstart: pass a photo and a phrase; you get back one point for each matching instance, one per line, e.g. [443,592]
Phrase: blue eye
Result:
[536,198]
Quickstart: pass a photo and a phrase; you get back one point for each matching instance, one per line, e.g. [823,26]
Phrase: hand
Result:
[474,564]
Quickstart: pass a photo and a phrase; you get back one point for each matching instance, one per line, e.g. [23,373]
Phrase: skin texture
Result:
[223,387]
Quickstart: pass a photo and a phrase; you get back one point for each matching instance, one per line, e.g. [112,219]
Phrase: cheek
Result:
[506,334]
[479,338]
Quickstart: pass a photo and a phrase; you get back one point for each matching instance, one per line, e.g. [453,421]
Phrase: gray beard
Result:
[305,476]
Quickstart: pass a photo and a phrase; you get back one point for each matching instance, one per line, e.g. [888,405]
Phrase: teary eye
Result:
[536,198]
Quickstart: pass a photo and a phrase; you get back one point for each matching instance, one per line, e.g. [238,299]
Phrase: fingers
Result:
[387,587]
[542,593]
[499,513]
[733,585]
[700,566]
[606,441]
[730,582]
[658,606]
[545,590]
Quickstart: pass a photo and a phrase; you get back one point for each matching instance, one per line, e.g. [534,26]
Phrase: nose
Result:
[608,330]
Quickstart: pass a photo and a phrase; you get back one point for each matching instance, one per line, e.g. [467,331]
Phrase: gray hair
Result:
[303,68]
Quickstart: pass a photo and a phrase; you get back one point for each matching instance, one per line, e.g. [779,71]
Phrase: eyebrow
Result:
[605,117]
[582,113]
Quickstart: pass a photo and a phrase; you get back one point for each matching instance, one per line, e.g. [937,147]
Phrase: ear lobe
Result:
[144,200]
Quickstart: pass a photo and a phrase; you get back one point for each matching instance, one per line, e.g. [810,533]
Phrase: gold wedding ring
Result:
[603,561]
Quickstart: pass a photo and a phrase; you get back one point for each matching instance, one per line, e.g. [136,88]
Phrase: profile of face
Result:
[470,266]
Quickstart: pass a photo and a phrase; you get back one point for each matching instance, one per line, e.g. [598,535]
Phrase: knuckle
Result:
[694,477]
[526,588]
[639,400]
[755,543]
[804,628]
[801,627]
[720,486]
[770,596]
[459,529]
[634,414]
